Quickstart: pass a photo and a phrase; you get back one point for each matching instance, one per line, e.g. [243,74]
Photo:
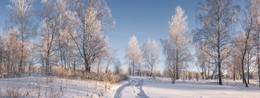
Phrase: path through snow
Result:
[132,89]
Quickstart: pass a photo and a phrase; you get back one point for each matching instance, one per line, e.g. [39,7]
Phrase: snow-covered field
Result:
[135,87]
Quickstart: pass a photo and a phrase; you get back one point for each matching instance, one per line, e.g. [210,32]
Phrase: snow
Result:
[56,87]
[190,89]
[135,87]
[143,87]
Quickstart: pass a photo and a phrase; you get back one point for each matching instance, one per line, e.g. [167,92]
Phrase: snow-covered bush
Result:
[14,92]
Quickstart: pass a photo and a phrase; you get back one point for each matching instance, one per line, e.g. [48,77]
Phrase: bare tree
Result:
[134,56]
[175,47]
[21,18]
[11,48]
[52,15]
[109,58]
[94,16]
[204,62]
[2,56]
[151,55]
[117,67]
[255,8]
[216,18]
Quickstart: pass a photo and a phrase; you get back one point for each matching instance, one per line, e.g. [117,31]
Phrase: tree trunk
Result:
[248,63]
[243,58]
[151,73]
[234,74]
[219,60]
[107,68]
[258,63]
[87,68]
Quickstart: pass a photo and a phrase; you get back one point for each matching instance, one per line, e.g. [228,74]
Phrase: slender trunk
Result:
[176,65]
[234,74]
[243,58]
[74,65]
[248,63]
[151,71]
[258,63]
[176,71]
[21,60]
[107,68]
[133,72]
[173,74]
[98,66]
[46,66]
[219,60]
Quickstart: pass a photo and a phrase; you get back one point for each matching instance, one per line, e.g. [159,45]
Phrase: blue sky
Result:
[146,19]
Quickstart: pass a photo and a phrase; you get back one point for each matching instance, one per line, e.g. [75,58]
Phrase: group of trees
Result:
[227,41]
[226,45]
[70,33]
[221,46]
[141,58]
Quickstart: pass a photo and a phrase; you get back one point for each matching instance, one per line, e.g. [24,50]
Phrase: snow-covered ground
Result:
[55,88]
[135,87]
[142,87]
[164,89]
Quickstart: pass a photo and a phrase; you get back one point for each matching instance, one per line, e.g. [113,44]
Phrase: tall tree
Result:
[53,16]
[203,60]
[10,47]
[216,18]
[94,16]
[1,56]
[21,18]
[151,55]
[109,58]
[134,56]
[176,47]
[255,8]
[117,67]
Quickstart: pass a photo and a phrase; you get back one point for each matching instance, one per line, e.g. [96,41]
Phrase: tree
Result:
[2,68]
[204,62]
[216,18]
[53,16]
[117,67]
[93,16]
[109,58]
[21,18]
[175,47]
[134,56]
[243,48]
[254,7]
[11,48]
[151,55]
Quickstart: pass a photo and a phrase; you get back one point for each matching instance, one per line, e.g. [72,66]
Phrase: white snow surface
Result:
[135,87]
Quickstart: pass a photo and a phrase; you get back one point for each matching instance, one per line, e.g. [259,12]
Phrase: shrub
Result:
[13,92]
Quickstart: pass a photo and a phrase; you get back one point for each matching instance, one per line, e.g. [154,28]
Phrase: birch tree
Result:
[117,67]
[151,55]
[255,8]
[216,18]
[175,47]
[52,15]
[2,56]
[21,18]
[94,17]
[134,56]
[11,55]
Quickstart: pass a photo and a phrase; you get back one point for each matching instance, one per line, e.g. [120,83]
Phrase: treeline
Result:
[226,39]
[60,34]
